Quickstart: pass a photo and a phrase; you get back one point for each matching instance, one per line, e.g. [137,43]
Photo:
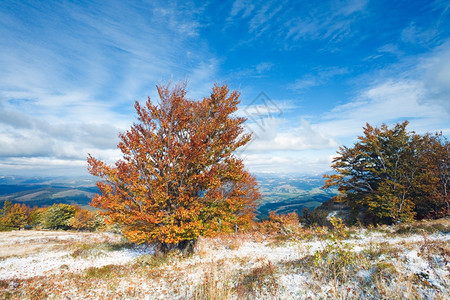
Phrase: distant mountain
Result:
[280,193]
[37,191]
[287,193]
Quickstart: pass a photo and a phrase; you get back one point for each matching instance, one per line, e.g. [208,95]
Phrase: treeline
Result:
[57,216]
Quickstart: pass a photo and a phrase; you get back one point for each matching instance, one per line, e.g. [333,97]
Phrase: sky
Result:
[311,74]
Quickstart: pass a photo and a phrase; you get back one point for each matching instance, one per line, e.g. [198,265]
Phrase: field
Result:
[397,262]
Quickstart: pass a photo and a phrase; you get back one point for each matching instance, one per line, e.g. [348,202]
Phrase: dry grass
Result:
[424,226]
[28,242]
[379,264]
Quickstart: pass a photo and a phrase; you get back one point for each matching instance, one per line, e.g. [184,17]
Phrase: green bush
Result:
[58,216]
[36,218]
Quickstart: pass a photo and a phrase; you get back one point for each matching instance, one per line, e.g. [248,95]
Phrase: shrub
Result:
[280,224]
[14,216]
[58,216]
[317,217]
[36,218]
[84,219]
[337,257]
[105,272]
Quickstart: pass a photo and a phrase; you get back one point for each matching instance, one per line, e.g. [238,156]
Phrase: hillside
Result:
[397,262]
[290,193]
[41,191]
[280,193]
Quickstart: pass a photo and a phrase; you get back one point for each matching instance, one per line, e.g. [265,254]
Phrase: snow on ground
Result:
[50,262]
[22,242]
[43,264]
[30,254]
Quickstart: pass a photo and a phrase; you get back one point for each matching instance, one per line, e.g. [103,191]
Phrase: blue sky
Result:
[310,73]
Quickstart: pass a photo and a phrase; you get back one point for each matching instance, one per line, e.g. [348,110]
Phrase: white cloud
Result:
[259,14]
[305,82]
[324,22]
[416,35]
[24,136]
[420,95]
[436,77]
[389,102]
[390,49]
[202,78]
[41,166]
[329,20]
[260,21]
[309,162]
[263,67]
[259,70]
[320,77]
[273,134]
[246,7]
[70,74]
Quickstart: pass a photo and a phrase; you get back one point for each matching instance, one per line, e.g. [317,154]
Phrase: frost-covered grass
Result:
[396,262]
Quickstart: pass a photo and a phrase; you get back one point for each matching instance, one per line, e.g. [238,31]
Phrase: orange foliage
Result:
[178,178]
[280,224]
[15,216]
[83,219]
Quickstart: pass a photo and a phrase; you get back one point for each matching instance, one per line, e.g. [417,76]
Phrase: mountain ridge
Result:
[280,193]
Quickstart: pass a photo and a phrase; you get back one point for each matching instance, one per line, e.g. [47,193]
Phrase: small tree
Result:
[84,219]
[58,216]
[393,175]
[178,178]
[7,205]
[36,218]
[430,188]
[14,216]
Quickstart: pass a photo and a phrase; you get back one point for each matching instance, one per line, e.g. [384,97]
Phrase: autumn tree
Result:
[84,219]
[392,175]
[430,188]
[178,178]
[13,216]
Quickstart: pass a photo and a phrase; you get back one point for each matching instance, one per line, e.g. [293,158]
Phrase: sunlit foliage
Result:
[178,178]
